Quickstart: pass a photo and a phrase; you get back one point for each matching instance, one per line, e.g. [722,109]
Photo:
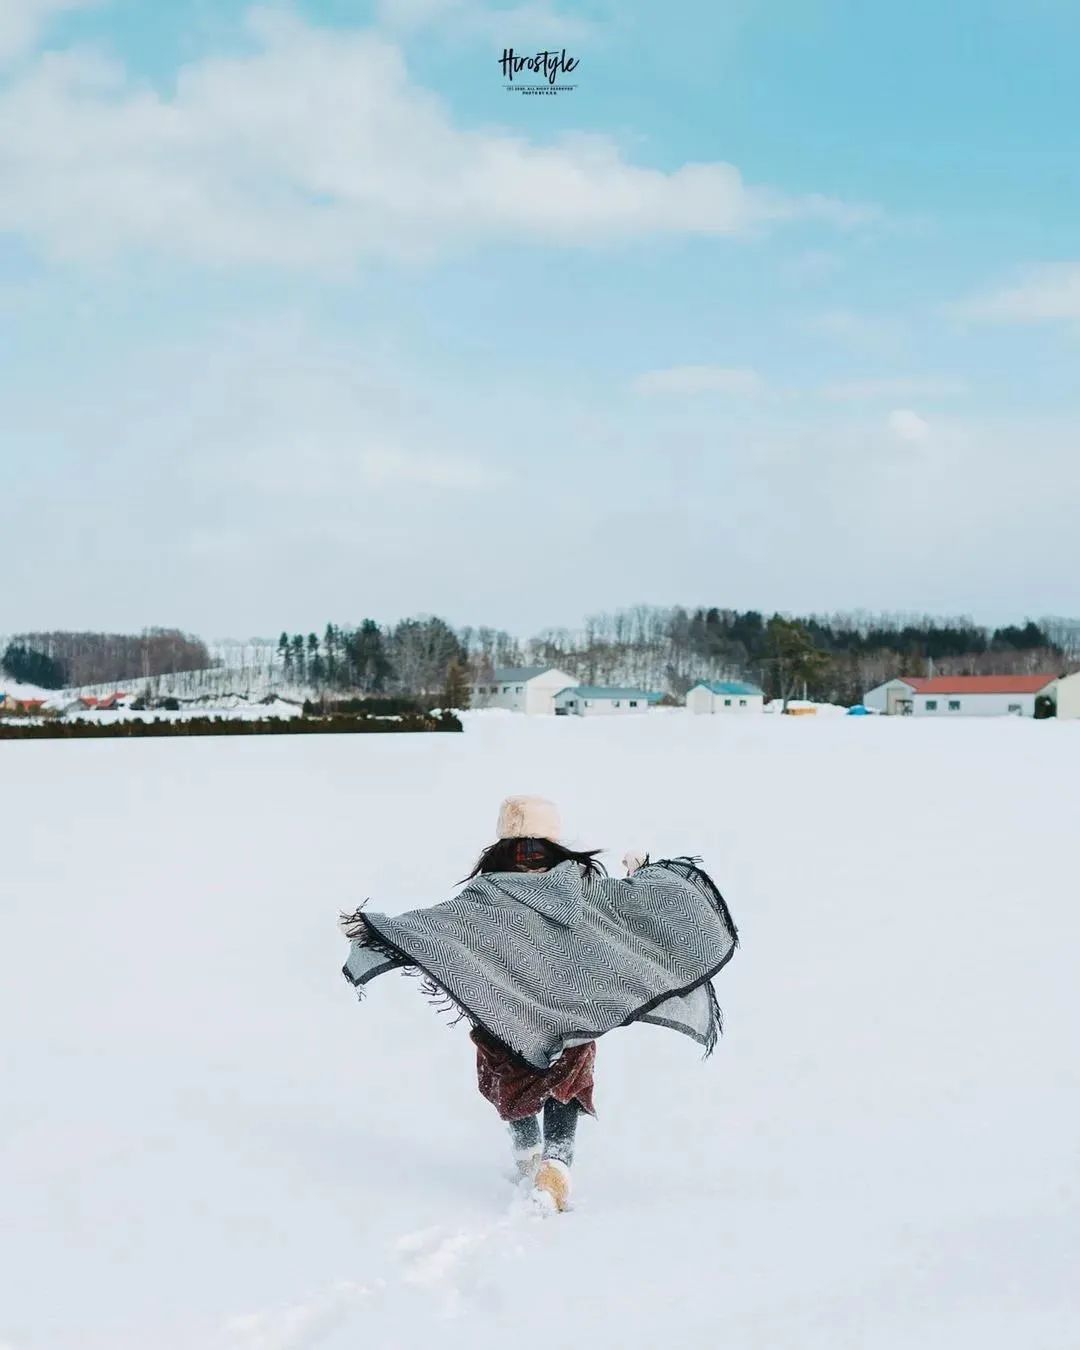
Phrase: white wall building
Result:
[973,695]
[725,696]
[1067,694]
[591,700]
[527,689]
[894,697]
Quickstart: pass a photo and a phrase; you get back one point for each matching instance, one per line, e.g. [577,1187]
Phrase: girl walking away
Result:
[543,953]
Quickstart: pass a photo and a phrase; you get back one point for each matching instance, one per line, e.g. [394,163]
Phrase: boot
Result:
[552,1186]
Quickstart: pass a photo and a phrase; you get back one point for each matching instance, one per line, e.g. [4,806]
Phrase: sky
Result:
[306,317]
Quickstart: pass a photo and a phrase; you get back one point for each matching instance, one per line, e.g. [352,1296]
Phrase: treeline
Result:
[415,656]
[62,660]
[835,657]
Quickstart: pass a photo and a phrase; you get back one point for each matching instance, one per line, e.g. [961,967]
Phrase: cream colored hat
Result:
[528,818]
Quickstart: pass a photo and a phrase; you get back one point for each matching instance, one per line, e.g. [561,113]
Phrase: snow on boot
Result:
[552,1186]
[527,1162]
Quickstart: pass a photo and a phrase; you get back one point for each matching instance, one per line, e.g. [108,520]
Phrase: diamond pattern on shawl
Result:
[541,960]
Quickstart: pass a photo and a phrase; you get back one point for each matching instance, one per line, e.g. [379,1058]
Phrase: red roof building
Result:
[104,703]
[981,684]
[975,695]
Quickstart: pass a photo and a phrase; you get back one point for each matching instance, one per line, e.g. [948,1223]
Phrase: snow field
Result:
[207,1143]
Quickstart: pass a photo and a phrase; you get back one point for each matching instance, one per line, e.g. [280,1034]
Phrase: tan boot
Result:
[552,1186]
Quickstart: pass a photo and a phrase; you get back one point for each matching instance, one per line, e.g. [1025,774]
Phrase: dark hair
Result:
[503,857]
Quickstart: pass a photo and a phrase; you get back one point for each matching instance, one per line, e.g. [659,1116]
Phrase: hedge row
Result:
[372,706]
[226,726]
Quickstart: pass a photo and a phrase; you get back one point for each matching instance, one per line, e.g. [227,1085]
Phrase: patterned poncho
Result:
[542,961]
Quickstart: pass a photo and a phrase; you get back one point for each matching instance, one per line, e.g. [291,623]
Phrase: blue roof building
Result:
[716,696]
[586,700]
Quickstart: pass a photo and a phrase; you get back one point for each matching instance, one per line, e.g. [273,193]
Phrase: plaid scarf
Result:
[530,854]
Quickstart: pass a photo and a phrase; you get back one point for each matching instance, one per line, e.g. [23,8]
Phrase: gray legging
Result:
[560,1126]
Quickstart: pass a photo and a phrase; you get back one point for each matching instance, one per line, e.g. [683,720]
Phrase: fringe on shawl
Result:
[354,925]
[716,1020]
[693,870]
[357,927]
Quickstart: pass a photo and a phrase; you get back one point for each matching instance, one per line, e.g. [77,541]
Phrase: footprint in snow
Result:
[452,1265]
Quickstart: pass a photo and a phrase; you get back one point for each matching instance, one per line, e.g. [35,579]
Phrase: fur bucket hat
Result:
[528,818]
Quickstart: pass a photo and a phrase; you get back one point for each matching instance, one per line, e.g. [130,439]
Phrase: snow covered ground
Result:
[207,1143]
[239,712]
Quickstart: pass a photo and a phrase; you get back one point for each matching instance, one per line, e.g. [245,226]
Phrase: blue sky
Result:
[304,316]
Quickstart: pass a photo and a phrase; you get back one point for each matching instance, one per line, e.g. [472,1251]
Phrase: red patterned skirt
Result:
[517,1091]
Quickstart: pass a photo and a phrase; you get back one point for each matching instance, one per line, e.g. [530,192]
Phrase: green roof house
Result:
[725,696]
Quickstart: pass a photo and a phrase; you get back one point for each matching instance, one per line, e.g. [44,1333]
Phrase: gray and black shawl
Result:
[542,961]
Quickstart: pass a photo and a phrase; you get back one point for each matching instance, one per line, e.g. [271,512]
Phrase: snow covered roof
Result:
[519,674]
[598,692]
[728,687]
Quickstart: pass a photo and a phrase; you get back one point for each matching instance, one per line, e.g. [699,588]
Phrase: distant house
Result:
[588,700]
[527,689]
[894,697]
[111,702]
[975,695]
[725,696]
[31,706]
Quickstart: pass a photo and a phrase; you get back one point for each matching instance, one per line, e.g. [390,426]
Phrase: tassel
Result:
[716,1021]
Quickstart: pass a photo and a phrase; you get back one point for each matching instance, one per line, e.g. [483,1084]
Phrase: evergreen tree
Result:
[314,660]
[330,647]
[299,671]
[457,694]
[28,666]
[369,658]
[1029,637]
[792,658]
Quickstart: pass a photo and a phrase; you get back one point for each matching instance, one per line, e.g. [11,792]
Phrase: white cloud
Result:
[386,464]
[850,391]
[856,329]
[1044,294]
[812,266]
[908,426]
[22,23]
[289,416]
[237,473]
[532,21]
[316,150]
[701,380]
